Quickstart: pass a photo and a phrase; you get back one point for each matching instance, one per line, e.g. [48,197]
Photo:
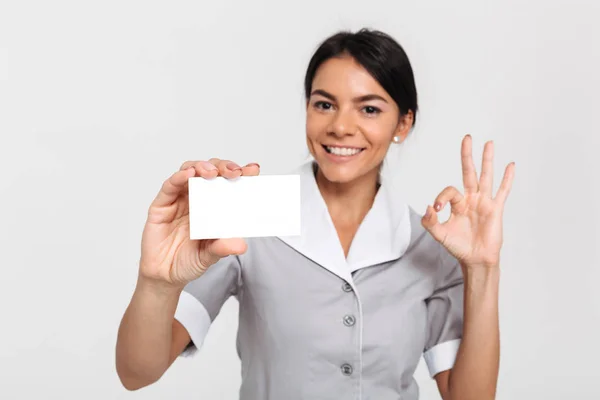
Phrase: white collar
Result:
[384,234]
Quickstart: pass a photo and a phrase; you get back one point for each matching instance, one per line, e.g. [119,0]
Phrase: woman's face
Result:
[351,121]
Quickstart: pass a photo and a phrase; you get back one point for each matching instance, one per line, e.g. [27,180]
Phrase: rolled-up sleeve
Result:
[201,300]
[444,316]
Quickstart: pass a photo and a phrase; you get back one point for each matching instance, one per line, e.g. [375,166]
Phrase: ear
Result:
[405,124]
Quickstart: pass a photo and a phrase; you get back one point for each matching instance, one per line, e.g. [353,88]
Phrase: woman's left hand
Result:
[473,233]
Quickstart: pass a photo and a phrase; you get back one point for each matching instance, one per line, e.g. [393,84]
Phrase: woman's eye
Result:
[323,105]
[372,110]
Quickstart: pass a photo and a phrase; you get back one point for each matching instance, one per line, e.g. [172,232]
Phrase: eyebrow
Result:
[359,99]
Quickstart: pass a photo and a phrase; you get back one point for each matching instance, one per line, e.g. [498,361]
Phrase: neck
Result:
[349,202]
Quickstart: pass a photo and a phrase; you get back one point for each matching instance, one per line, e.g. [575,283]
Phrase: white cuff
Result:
[441,357]
[195,319]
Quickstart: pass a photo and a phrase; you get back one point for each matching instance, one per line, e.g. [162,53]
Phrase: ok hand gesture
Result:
[473,233]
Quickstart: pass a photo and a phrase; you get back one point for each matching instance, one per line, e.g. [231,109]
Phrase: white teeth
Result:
[343,151]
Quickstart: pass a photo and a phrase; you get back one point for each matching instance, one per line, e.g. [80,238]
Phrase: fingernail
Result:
[437,206]
[251,164]
[208,166]
[233,166]
[427,212]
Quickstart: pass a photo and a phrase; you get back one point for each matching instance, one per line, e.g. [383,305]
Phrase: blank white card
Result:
[249,206]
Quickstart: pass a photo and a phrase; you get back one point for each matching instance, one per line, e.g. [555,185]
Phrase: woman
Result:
[346,309]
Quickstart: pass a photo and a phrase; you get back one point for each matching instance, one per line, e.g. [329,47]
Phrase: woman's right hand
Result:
[168,255]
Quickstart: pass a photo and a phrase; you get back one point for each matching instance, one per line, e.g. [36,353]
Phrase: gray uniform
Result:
[314,324]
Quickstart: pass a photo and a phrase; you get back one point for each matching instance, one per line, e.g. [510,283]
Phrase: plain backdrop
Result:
[102,101]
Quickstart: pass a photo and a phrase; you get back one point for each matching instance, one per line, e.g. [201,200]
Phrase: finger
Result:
[212,250]
[486,179]
[227,169]
[229,246]
[187,164]
[173,187]
[251,169]
[206,170]
[449,195]
[203,169]
[506,185]
[468,167]
[431,223]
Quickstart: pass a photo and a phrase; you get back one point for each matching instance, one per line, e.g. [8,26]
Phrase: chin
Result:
[338,173]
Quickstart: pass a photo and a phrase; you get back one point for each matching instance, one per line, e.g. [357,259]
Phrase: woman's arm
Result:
[149,338]
[475,372]
[473,235]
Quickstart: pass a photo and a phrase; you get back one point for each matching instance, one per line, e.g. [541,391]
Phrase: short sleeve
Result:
[202,299]
[444,317]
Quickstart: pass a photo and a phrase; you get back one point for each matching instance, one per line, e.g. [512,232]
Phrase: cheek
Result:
[315,126]
[378,134]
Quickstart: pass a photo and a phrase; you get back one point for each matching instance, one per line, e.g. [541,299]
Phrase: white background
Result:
[101,101]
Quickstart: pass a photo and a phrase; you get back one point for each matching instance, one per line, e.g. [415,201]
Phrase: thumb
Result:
[225,247]
[431,223]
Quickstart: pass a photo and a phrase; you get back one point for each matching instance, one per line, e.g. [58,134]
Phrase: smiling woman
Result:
[346,309]
[361,96]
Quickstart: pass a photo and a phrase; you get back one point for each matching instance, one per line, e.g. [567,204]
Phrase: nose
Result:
[342,124]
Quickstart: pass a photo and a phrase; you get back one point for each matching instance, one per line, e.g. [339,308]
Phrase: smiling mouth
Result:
[343,151]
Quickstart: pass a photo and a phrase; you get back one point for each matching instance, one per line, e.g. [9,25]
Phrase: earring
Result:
[396,139]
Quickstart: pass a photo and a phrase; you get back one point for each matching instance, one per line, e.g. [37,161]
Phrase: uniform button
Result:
[347,369]
[349,320]
[346,287]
